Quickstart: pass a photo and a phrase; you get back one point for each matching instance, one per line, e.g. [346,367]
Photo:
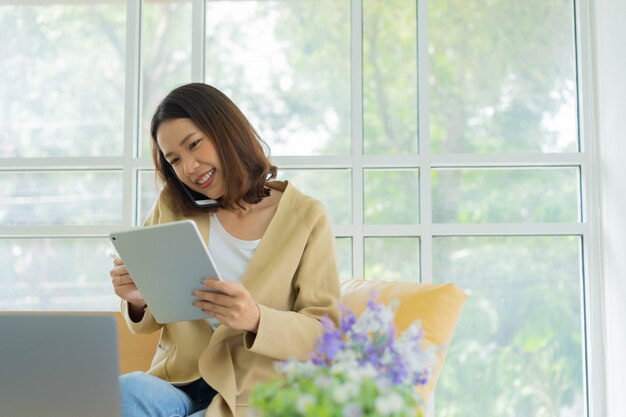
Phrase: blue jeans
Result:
[144,395]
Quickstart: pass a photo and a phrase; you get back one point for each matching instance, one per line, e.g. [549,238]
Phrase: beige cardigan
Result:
[294,279]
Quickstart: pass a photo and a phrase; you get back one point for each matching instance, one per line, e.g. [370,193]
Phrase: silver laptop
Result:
[58,365]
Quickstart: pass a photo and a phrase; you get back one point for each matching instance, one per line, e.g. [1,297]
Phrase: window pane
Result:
[389,77]
[286,64]
[518,346]
[392,258]
[331,186]
[502,76]
[148,188]
[344,256]
[511,195]
[166,54]
[391,196]
[30,198]
[62,79]
[56,274]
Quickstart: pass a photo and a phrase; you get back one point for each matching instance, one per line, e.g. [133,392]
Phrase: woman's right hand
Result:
[124,286]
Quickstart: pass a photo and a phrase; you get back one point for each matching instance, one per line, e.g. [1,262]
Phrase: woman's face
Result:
[192,155]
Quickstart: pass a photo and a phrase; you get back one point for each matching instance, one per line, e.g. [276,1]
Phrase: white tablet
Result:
[167,262]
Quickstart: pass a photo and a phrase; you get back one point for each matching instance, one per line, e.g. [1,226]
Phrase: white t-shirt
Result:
[231,255]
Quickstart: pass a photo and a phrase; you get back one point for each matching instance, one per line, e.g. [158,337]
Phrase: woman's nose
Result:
[189,165]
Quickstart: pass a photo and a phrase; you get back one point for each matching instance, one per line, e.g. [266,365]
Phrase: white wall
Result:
[608,43]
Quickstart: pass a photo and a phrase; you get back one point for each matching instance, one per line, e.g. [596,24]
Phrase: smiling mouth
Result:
[205,179]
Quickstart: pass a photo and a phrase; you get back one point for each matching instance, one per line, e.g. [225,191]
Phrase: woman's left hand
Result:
[230,303]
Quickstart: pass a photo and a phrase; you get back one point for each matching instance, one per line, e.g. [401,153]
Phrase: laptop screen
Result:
[58,365]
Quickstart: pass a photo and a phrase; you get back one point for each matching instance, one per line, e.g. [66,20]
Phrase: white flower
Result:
[348,357]
[296,369]
[390,403]
[352,410]
[371,321]
[304,401]
[384,385]
[324,381]
[387,358]
[355,373]
[345,392]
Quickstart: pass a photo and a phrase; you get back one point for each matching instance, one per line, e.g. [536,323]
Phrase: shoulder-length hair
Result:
[245,165]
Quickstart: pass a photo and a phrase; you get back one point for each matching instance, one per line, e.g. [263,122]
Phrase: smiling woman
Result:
[274,247]
[187,158]
[190,128]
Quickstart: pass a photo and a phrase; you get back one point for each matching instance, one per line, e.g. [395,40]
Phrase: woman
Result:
[273,245]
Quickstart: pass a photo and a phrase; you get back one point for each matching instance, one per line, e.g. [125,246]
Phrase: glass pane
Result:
[333,187]
[32,198]
[286,64]
[56,274]
[391,196]
[149,188]
[502,76]
[166,54]
[517,349]
[344,256]
[392,258]
[62,79]
[389,77]
[511,195]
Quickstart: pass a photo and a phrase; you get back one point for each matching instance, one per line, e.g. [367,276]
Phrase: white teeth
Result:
[205,177]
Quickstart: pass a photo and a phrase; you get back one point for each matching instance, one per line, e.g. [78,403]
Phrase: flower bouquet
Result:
[362,369]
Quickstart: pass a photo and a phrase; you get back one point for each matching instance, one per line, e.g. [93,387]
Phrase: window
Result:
[445,138]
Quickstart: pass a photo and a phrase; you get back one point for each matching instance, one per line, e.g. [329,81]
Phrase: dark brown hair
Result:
[246,167]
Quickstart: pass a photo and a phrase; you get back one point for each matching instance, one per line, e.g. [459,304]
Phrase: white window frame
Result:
[586,160]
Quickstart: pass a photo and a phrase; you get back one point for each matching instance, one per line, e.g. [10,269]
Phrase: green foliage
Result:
[391,258]
[302,397]
[497,69]
[505,195]
[517,349]
[390,77]
[45,112]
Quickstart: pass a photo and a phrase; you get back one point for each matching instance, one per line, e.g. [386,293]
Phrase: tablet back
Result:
[167,262]
[58,365]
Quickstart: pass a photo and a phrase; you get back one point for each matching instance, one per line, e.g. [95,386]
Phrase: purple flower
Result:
[397,371]
[421,378]
[372,305]
[348,318]
[329,344]
[372,341]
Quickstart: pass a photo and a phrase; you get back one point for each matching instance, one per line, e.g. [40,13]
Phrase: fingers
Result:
[232,305]
[230,315]
[224,287]
[214,298]
[121,280]
[213,309]
[123,284]
[120,275]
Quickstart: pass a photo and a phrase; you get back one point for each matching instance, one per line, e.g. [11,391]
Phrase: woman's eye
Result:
[174,161]
[194,143]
